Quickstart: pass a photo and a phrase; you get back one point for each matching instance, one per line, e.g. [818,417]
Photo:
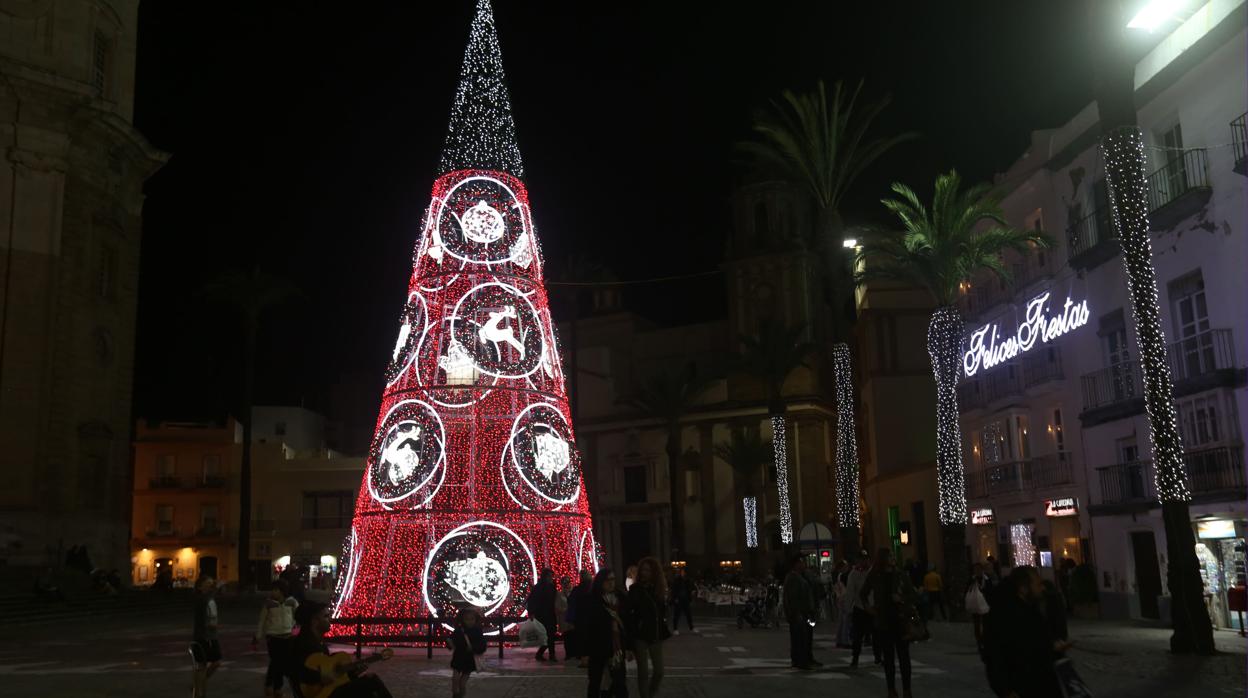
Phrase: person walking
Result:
[891,597]
[682,600]
[977,602]
[600,623]
[647,624]
[467,644]
[205,644]
[573,645]
[561,613]
[860,621]
[935,588]
[1019,646]
[277,622]
[541,607]
[799,611]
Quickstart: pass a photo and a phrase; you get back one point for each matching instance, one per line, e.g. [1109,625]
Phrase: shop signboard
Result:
[1065,506]
[982,517]
[1219,528]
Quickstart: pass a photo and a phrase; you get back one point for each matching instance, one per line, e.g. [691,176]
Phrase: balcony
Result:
[1112,393]
[211,481]
[1043,367]
[1239,141]
[1214,474]
[322,522]
[976,485]
[1028,474]
[162,533]
[164,482]
[1202,361]
[1093,240]
[1179,189]
[1002,382]
[209,531]
[970,395]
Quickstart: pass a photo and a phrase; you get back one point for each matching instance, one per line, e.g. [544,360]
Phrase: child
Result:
[277,620]
[467,643]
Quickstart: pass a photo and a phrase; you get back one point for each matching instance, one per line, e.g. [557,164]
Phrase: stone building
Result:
[767,275]
[71,196]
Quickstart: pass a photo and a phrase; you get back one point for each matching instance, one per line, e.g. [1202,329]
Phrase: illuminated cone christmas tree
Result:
[473,483]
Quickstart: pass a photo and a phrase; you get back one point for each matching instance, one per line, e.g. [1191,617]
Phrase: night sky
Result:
[305,142]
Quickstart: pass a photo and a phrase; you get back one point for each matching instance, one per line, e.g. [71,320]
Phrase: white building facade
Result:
[1056,440]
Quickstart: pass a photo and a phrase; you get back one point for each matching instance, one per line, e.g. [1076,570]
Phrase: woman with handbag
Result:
[977,602]
[890,599]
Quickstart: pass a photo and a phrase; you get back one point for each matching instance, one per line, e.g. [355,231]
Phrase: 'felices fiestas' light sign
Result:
[987,348]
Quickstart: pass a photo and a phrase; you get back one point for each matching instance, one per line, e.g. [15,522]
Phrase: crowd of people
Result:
[605,623]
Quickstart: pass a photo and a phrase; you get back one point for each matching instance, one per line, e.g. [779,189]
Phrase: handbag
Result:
[531,633]
[913,627]
[976,602]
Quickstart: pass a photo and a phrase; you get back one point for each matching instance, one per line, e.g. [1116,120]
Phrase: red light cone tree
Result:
[473,483]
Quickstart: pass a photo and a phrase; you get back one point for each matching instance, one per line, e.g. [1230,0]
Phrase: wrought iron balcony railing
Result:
[1186,171]
[1214,470]
[1201,354]
[1044,366]
[1239,142]
[1116,384]
[1091,232]
[164,482]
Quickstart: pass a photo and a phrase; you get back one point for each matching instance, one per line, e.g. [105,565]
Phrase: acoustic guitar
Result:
[339,665]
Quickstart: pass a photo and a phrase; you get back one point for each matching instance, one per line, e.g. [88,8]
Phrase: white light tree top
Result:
[482,133]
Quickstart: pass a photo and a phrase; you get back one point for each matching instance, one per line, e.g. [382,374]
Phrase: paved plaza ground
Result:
[146,656]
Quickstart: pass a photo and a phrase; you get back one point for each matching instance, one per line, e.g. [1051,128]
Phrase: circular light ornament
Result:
[447,371]
[411,329]
[482,219]
[498,327]
[408,454]
[482,563]
[541,468]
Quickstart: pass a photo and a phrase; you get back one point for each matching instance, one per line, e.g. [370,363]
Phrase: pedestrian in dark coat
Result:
[799,611]
[646,622]
[467,643]
[541,606]
[572,644]
[889,596]
[600,622]
[1019,646]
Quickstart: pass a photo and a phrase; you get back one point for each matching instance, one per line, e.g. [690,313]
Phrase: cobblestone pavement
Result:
[148,658]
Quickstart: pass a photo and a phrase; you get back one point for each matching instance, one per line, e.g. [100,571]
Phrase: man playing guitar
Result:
[324,675]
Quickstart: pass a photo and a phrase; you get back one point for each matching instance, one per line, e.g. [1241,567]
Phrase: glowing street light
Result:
[1154,13]
[849,243]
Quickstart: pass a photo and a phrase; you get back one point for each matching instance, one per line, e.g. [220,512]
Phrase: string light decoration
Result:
[944,338]
[846,439]
[473,483]
[1123,154]
[750,507]
[778,445]
[482,132]
[1021,544]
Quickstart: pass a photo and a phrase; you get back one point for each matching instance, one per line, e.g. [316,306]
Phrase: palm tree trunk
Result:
[244,469]
[846,451]
[1124,164]
[779,444]
[944,338]
[676,489]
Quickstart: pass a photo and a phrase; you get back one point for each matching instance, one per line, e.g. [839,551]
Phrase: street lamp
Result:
[849,243]
[1154,13]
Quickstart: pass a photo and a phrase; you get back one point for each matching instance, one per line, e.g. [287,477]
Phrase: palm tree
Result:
[746,453]
[819,142]
[668,395]
[1122,147]
[964,232]
[771,356]
[250,295]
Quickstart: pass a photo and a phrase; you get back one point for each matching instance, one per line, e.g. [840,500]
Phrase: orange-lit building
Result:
[185,501]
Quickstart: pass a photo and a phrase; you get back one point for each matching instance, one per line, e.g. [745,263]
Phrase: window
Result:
[166,465]
[635,484]
[1113,332]
[1036,223]
[1198,418]
[1128,450]
[1021,437]
[1190,315]
[106,279]
[101,63]
[328,509]
[164,518]
[211,468]
[1059,437]
[1174,180]
[209,519]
